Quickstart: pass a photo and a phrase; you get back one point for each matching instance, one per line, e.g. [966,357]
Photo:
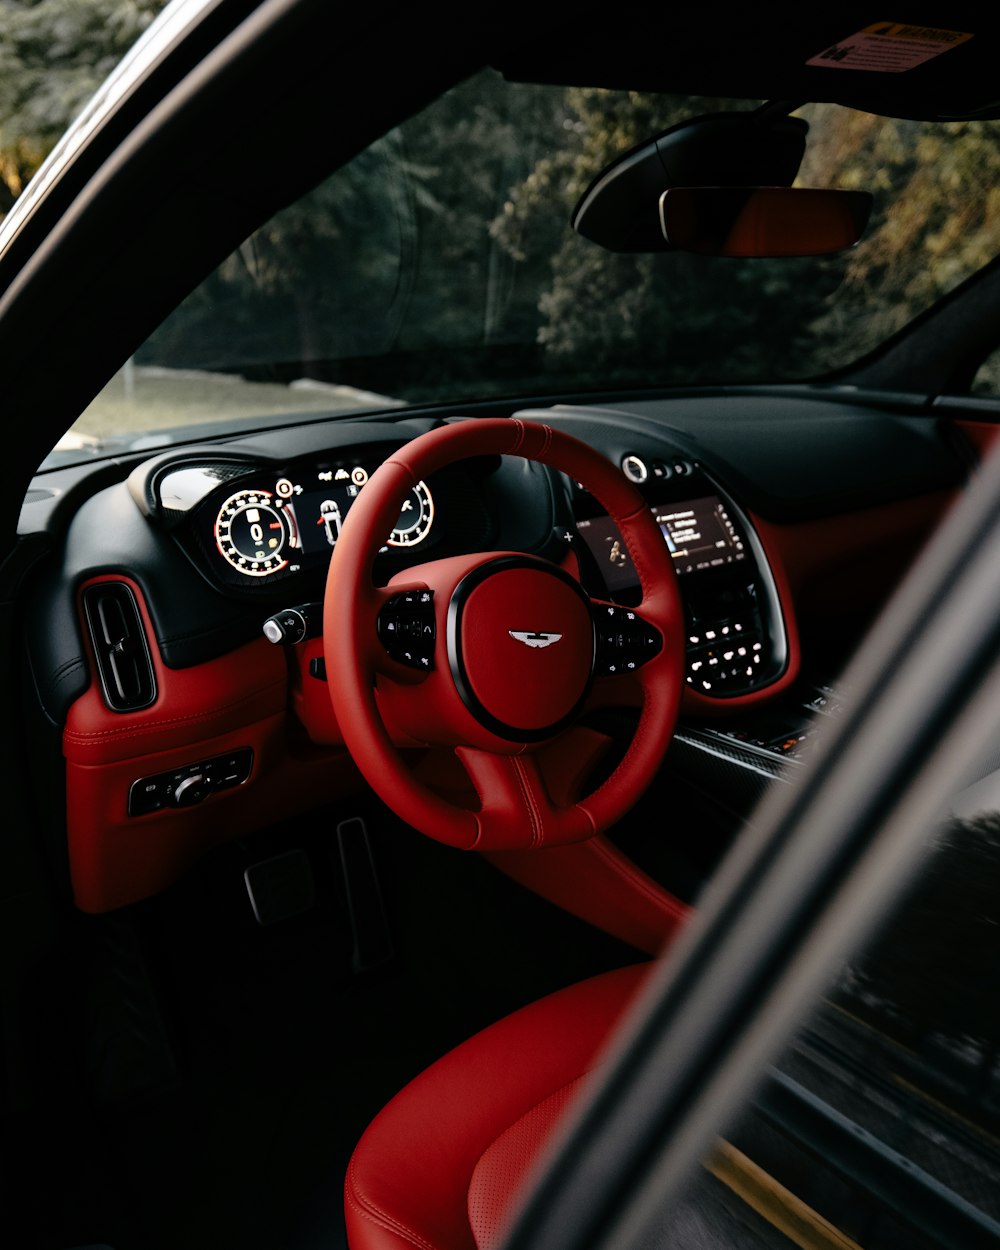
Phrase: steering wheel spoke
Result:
[516,808]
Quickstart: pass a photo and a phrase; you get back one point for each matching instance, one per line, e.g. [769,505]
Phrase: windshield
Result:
[439,267]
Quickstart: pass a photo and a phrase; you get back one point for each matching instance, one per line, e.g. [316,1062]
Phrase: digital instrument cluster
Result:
[262,530]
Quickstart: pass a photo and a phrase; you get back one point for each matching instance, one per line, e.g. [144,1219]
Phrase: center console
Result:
[736,638]
[735,635]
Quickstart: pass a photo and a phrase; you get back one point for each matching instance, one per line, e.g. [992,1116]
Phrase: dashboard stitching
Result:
[65,672]
[83,737]
[220,630]
[65,667]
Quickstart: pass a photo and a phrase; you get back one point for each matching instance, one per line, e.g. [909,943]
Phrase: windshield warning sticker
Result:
[889,48]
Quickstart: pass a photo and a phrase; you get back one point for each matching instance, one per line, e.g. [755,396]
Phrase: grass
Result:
[140,398]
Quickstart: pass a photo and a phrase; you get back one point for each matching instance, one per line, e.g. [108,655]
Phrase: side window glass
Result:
[879,1126]
[987,379]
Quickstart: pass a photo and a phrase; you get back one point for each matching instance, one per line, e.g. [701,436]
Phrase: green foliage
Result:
[937,220]
[440,264]
[937,217]
[390,260]
[628,319]
[54,54]
[302,287]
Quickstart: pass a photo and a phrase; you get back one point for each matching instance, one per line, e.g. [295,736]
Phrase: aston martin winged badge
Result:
[534,639]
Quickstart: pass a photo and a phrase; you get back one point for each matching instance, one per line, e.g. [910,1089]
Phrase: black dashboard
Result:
[219,535]
[260,528]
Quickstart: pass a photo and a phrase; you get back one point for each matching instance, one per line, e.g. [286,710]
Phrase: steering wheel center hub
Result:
[521,647]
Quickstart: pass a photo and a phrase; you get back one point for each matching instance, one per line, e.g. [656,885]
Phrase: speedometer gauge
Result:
[252,533]
[415,518]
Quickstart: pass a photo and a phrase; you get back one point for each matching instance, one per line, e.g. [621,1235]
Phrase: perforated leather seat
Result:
[438,1167]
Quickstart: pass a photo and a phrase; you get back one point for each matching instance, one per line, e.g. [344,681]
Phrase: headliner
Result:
[762,53]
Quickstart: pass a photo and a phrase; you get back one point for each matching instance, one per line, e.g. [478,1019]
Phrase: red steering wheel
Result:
[497,655]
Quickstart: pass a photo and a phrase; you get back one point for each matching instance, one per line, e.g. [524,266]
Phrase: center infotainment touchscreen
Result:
[698,532]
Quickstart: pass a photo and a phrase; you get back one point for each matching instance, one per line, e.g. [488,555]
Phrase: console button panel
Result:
[727,644]
[184,787]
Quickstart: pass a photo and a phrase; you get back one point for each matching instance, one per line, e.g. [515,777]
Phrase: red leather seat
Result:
[437,1168]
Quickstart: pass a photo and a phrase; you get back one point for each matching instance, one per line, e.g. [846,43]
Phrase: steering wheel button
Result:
[406,628]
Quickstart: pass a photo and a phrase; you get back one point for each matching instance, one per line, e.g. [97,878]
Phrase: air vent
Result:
[119,641]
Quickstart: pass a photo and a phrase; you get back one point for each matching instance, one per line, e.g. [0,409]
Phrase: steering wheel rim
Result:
[368,689]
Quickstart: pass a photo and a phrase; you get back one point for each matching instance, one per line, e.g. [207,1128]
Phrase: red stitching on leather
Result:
[537,831]
[519,426]
[581,807]
[402,465]
[131,731]
[645,581]
[364,1206]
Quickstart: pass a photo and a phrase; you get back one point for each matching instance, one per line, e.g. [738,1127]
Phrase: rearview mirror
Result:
[762,221]
[618,211]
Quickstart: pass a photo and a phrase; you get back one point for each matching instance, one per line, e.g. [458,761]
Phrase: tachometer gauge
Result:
[415,518]
[252,533]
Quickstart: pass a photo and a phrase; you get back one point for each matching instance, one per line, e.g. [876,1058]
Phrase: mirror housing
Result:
[762,221]
[619,210]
